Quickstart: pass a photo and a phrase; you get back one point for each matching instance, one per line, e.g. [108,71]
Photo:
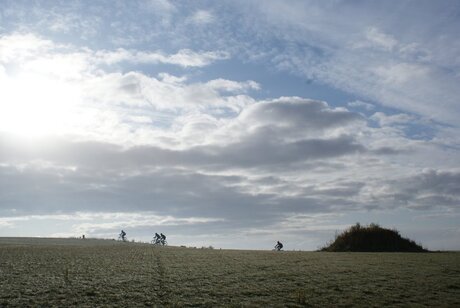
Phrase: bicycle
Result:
[159,242]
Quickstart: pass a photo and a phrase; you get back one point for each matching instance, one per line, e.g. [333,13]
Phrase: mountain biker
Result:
[157,238]
[163,238]
[123,235]
[278,246]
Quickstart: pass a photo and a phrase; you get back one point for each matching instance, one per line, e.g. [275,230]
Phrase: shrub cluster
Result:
[372,238]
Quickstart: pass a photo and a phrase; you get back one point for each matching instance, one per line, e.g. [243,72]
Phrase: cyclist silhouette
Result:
[156,238]
[123,235]
[278,246]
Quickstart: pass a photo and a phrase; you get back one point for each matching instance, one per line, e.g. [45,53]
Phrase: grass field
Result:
[67,272]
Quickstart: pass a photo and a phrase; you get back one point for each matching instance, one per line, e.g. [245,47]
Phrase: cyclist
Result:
[123,235]
[156,238]
[163,239]
[278,246]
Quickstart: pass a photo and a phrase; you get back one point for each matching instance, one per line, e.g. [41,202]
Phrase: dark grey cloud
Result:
[260,151]
[430,189]
[164,192]
[254,151]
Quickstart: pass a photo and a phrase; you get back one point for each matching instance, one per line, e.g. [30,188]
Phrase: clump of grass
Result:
[66,276]
[301,297]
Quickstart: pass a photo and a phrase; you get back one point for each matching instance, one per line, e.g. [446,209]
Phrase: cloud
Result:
[248,151]
[84,91]
[360,104]
[380,39]
[399,69]
[220,178]
[308,116]
[137,89]
[164,6]
[402,69]
[202,17]
[430,189]
[35,53]
[233,86]
[184,57]
[400,73]
[21,46]
[256,151]
[389,120]
[178,193]
[150,123]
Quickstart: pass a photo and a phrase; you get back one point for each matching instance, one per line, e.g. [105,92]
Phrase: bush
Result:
[372,238]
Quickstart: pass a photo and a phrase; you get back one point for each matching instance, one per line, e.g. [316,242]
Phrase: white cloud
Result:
[360,104]
[233,86]
[202,17]
[137,89]
[389,120]
[71,91]
[380,39]
[33,53]
[164,6]
[401,65]
[401,73]
[184,57]
[187,57]
[172,79]
[16,47]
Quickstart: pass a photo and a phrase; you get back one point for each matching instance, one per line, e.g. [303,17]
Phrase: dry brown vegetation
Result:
[100,273]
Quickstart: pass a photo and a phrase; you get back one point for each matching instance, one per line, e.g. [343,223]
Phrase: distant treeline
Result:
[372,238]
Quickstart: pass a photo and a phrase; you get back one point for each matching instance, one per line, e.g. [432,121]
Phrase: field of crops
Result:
[66,272]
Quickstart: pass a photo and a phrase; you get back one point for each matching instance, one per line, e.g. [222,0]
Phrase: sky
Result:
[230,124]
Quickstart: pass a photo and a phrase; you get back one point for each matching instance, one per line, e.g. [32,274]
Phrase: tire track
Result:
[160,274]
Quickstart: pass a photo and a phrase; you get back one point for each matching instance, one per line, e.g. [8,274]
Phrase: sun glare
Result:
[35,104]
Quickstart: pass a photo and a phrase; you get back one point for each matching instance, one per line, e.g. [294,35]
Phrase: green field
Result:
[69,272]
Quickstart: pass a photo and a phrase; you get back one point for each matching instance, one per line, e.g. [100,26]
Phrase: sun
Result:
[36,104]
